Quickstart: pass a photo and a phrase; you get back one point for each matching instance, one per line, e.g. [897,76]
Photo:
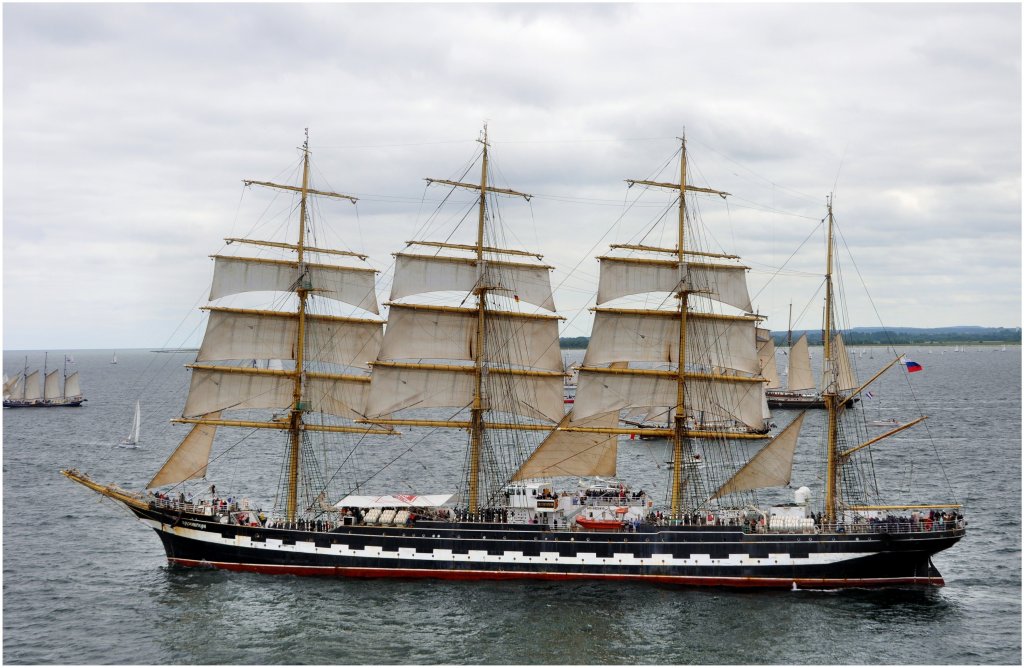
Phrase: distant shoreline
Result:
[902,336]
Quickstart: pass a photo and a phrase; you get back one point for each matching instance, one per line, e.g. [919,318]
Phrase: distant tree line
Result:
[917,336]
[871,337]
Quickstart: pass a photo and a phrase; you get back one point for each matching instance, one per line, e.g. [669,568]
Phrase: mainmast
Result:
[479,406]
[520,377]
[680,432]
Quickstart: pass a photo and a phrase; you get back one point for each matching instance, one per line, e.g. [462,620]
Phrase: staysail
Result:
[772,466]
[190,458]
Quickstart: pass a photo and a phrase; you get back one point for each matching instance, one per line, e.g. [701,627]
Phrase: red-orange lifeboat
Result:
[599,525]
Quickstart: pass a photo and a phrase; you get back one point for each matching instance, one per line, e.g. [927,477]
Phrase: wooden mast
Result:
[476,432]
[294,425]
[479,405]
[678,434]
[302,291]
[789,331]
[679,431]
[830,391]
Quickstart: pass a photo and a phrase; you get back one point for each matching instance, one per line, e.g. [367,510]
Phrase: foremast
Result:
[243,334]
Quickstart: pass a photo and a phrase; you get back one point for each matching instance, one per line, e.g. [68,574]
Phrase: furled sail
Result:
[772,466]
[800,376]
[51,386]
[190,459]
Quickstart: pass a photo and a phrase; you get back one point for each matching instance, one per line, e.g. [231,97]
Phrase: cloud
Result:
[128,129]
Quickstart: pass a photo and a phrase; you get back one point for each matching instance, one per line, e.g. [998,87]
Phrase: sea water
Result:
[85,583]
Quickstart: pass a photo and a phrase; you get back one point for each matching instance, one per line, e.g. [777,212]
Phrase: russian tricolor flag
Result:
[912,366]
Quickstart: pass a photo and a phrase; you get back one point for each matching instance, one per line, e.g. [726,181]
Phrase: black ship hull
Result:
[796,400]
[41,403]
[687,555]
[793,400]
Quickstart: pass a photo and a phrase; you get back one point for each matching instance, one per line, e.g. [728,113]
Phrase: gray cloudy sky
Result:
[128,129]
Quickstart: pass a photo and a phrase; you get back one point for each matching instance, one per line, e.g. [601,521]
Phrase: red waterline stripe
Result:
[341,571]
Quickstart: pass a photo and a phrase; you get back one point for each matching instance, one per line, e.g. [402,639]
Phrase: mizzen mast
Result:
[830,391]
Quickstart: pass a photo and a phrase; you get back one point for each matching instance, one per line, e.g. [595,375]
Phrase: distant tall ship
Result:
[539,494]
[48,389]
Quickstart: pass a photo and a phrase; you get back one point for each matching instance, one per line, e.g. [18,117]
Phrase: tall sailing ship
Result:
[539,496]
[56,390]
[801,390]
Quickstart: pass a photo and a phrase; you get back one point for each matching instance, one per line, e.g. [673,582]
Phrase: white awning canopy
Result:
[394,501]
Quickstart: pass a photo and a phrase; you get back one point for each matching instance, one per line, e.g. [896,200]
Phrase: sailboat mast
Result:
[24,380]
[789,331]
[295,424]
[477,418]
[680,426]
[829,391]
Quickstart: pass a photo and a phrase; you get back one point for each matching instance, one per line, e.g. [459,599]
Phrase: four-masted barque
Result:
[539,496]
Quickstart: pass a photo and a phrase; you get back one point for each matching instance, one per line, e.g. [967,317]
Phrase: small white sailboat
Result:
[114,359]
[132,439]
